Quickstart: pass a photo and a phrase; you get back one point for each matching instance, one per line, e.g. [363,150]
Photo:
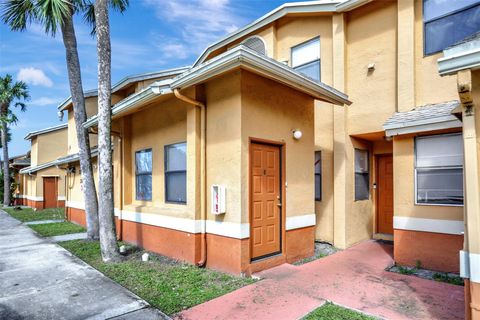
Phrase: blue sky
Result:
[151,35]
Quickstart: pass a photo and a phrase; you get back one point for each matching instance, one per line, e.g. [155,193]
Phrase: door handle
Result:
[279,204]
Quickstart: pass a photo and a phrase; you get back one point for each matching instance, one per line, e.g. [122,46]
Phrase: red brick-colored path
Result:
[355,278]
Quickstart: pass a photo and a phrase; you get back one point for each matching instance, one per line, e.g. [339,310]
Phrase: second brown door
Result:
[265,200]
[385,194]
[49,192]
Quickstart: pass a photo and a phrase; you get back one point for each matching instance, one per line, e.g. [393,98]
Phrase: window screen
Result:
[448,22]
[439,169]
[143,175]
[318,175]
[176,173]
[306,58]
[362,176]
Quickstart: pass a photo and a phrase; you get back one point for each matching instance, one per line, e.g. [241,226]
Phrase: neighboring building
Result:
[463,62]
[16,164]
[70,162]
[388,166]
[43,181]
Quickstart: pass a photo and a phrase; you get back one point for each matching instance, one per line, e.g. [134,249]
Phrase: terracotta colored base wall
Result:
[233,255]
[472,300]
[224,254]
[435,251]
[300,244]
[38,205]
[76,216]
[176,244]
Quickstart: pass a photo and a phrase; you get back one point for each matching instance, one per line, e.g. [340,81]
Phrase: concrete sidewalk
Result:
[354,278]
[41,280]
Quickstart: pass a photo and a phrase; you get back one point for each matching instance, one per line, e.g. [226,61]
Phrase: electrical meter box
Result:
[218,199]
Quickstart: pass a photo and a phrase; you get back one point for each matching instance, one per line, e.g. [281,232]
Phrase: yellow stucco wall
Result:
[371,38]
[51,146]
[224,151]
[271,111]
[154,127]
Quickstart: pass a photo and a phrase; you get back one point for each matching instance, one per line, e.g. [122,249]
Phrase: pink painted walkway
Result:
[354,278]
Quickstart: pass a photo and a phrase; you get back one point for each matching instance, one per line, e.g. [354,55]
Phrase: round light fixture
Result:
[297,134]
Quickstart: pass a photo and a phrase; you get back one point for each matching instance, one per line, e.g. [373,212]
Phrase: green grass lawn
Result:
[56,229]
[330,311]
[27,214]
[166,284]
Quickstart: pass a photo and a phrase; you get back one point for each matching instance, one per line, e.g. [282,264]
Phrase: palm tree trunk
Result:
[80,116]
[108,240]
[6,173]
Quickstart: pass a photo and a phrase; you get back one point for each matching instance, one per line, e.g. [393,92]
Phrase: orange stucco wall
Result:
[435,251]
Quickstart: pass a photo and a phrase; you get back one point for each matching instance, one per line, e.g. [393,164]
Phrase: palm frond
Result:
[119,5]
[18,13]
[53,12]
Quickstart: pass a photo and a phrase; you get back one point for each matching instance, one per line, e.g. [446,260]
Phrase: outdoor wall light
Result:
[60,115]
[297,134]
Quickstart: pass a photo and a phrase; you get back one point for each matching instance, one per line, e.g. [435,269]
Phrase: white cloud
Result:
[200,23]
[45,101]
[34,76]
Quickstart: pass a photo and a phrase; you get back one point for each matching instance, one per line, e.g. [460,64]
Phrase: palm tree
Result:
[53,14]
[108,241]
[16,93]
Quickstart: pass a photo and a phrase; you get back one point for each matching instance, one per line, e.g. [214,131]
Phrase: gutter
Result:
[464,60]
[130,102]
[249,59]
[203,172]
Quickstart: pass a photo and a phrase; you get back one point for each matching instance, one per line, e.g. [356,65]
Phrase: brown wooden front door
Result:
[49,192]
[265,200]
[385,194]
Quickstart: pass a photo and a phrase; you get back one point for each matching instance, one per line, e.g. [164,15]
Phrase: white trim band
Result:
[33,198]
[61,198]
[229,229]
[75,204]
[428,225]
[470,266]
[182,224]
[298,222]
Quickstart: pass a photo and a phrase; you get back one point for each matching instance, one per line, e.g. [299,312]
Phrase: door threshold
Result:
[267,257]
[383,236]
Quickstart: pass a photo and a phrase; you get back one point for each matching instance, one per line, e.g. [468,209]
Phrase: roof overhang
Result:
[245,58]
[463,60]
[139,99]
[127,81]
[438,124]
[32,134]
[238,57]
[461,56]
[74,157]
[279,12]
[33,169]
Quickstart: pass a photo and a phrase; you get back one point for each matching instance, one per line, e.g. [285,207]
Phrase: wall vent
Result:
[257,44]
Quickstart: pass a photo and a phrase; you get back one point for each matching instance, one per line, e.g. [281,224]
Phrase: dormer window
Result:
[306,58]
[257,44]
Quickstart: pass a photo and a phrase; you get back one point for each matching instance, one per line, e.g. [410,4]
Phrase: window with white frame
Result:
[448,22]
[306,58]
[143,175]
[318,175]
[362,175]
[439,169]
[176,173]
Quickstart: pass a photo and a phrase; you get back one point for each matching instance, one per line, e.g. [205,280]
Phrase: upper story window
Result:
[439,169]
[176,173]
[306,58]
[143,175]
[448,22]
